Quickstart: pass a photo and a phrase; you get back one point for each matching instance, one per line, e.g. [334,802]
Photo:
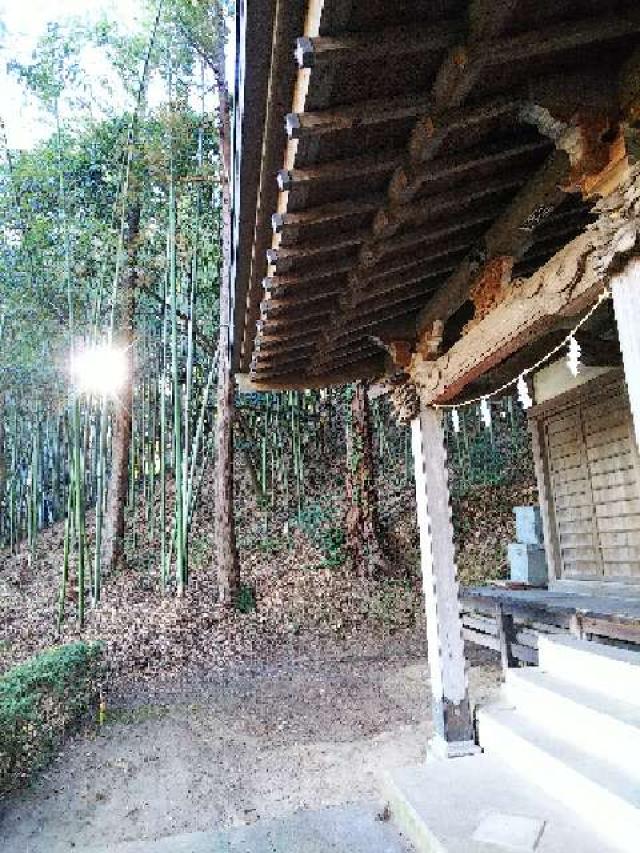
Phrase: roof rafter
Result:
[390,42]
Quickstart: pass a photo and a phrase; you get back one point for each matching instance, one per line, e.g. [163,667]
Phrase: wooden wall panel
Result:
[594,474]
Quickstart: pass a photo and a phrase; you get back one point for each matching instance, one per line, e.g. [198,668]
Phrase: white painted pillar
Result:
[451,710]
[625,289]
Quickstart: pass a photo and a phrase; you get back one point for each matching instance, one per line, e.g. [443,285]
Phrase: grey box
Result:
[528,525]
[528,563]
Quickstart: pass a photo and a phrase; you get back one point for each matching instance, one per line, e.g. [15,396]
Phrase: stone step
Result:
[478,804]
[608,728]
[603,795]
[611,671]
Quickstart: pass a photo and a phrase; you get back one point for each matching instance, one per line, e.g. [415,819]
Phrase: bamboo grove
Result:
[111,247]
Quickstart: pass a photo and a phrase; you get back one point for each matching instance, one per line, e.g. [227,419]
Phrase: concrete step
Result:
[354,828]
[603,795]
[607,728]
[478,804]
[613,672]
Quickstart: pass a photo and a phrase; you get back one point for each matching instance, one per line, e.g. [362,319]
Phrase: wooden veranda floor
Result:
[555,601]
[486,610]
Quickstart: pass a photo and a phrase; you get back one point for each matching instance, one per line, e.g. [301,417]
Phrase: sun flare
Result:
[99,369]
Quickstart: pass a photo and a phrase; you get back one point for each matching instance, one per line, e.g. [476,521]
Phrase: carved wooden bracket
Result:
[596,154]
[400,352]
[491,286]
[594,141]
[428,346]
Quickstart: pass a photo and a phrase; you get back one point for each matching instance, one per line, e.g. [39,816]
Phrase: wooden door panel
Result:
[595,488]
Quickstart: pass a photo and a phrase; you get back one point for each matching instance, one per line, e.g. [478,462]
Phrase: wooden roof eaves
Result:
[255,18]
[369,368]
[399,41]
[456,80]
[286,88]
[288,22]
[458,66]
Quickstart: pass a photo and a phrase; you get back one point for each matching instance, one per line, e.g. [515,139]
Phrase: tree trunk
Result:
[3,458]
[225,534]
[226,553]
[363,533]
[113,539]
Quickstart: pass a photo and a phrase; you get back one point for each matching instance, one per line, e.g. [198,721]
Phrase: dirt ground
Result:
[254,745]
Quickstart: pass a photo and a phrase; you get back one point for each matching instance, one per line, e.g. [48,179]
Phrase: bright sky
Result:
[25,21]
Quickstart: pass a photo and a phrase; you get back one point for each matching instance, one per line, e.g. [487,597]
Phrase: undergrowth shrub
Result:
[246,599]
[40,701]
[322,524]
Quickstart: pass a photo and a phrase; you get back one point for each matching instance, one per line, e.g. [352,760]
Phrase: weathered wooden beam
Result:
[321,288]
[326,213]
[370,368]
[338,171]
[295,331]
[271,349]
[371,303]
[464,65]
[562,222]
[383,44]
[290,308]
[373,252]
[508,236]
[347,356]
[540,252]
[395,328]
[563,287]
[452,717]
[285,257]
[300,295]
[389,220]
[380,318]
[433,128]
[318,273]
[288,254]
[274,345]
[459,242]
[261,363]
[568,36]
[333,355]
[302,125]
[370,288]
[407,181]
[295,316]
